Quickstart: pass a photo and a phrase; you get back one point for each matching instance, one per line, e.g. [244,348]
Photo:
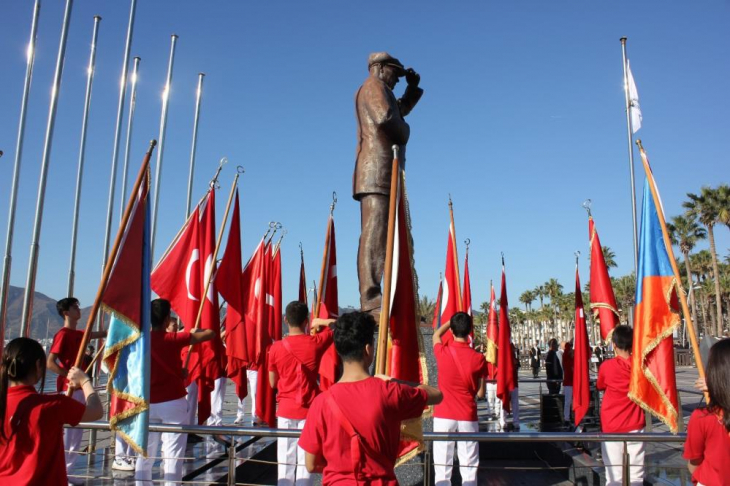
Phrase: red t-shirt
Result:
[66,344]
[618,413]
[33,453]
[458,402]
[166,382]
[568,368]
[375,409]
[708,441]
[297,374]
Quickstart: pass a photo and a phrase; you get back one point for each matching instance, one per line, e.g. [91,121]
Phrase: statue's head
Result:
[386,67]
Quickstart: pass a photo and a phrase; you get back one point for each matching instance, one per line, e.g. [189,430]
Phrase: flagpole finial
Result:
[587,206]
[623,40]
[334,202]
[502,253]
[638,143]
[214,181]
[396,149]
[467,242]
[301,250]
[240,169]
[451,204]
[577,255]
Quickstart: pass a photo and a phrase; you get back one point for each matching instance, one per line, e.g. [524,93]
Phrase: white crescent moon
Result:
[208,271]
[194,257]
[444,296]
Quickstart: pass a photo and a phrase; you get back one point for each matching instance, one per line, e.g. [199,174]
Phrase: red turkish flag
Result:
[329,307]
[403,350]
[603,302]
[581,356]
[492,337]
[275,313]
[466,299]
[206,360]
[177,275]
[265,321]
[228,281]
[451,302]
[302,282]
[506,370]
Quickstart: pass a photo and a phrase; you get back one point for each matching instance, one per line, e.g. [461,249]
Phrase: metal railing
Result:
[488,437]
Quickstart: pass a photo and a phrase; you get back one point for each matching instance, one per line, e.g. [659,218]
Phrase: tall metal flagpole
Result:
[118,131]
[82,153]
[7,263]
[198,98]
[630,135]
[161,149]
[33,260]
[128,143]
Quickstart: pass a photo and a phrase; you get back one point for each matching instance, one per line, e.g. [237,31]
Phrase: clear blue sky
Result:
[522,119]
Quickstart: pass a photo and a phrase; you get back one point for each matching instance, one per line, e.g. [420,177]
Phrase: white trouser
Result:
[443,452]
[122,450]
[173,445]
[253,377]
[568,393]
[492,402]
[515,405]
[290,456]
[72,437]
[216,402]
[192,400]
[613,460]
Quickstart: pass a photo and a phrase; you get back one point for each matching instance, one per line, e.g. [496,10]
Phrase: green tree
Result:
[685,232]
[609,256]
[707,208]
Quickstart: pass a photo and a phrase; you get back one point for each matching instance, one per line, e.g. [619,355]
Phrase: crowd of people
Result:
[349,433]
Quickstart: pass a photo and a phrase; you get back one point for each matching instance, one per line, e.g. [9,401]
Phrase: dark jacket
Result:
[552,366]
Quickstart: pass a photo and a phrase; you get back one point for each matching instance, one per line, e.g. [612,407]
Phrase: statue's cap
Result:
[384,58]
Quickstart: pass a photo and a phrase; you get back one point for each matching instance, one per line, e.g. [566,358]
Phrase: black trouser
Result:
[535,371]
[553,387]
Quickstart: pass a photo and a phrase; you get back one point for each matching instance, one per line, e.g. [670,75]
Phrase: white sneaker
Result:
[238,421]
[123,465]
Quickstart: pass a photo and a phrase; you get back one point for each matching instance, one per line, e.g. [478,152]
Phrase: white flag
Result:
[633,101]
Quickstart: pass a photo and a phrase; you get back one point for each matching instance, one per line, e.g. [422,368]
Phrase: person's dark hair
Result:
[352,332]
[717,378]
[296,313]
[623,338]
[553,342]
[461,324]
[160,312]
[18,362]
[64,305]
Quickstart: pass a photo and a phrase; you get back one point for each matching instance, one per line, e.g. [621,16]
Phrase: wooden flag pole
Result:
[380,363]
[459,301]
[112,257]
[213,260]
[673,262]
[325,258]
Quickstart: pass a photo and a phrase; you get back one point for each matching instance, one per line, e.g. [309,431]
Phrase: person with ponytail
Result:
[707,448]
[31,424]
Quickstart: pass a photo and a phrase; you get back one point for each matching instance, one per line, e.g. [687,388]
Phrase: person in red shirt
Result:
[707,448]
[353,429]
[167,394]
[293,365]
[461,372]
[567,380]
[65,348]
[618,413]
[31,424]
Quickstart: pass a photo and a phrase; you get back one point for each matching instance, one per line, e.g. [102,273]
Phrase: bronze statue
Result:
[380,125]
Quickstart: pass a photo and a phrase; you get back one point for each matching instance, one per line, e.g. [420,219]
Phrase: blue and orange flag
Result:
[127,347]
[653,379]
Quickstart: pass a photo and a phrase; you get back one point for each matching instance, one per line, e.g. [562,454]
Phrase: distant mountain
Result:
[45,321]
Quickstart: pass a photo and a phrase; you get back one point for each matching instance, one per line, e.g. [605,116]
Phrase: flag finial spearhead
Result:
[587,206]
[396,149]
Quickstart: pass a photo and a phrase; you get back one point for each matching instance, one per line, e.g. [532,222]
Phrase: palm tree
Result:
[526,298]
[426,307]
[706,208]
[540,294]
[609,256]
[553,289]
[625,289]
[685,232]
